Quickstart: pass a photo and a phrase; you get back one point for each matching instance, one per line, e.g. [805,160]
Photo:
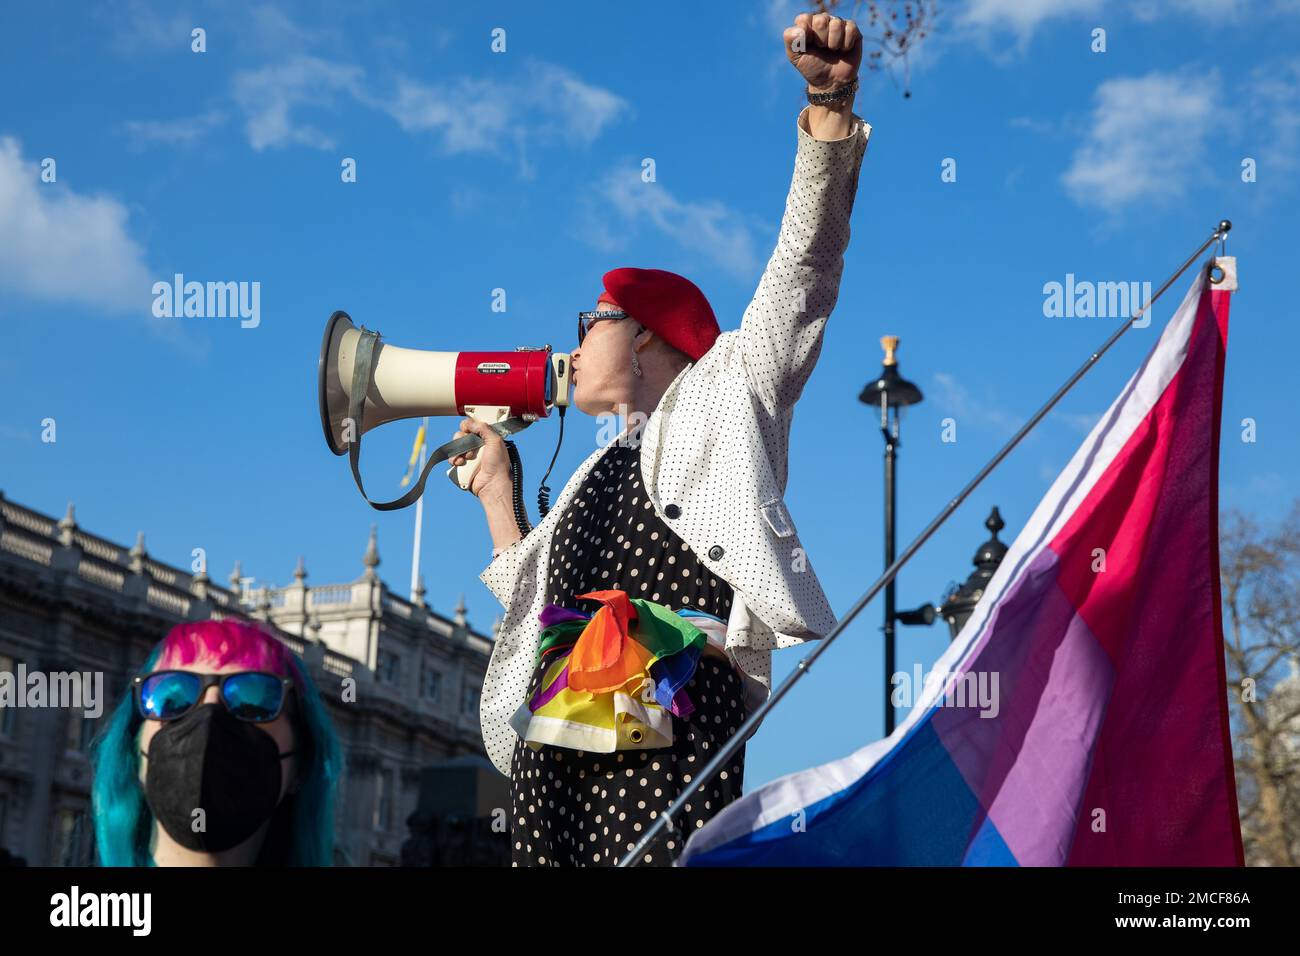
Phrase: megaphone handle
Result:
[463,475]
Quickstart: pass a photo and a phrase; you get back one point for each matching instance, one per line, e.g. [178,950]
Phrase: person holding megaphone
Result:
[641,613]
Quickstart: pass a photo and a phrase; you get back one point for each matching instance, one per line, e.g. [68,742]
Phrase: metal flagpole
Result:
[419,515]
[734,743]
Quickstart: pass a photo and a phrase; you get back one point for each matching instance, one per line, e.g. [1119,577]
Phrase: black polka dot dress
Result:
[578,808]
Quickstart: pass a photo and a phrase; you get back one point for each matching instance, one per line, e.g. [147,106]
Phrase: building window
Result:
[384,800]
[81,730]
[469,699]
[8,715]
[388,663]
[431,683]
[72,838]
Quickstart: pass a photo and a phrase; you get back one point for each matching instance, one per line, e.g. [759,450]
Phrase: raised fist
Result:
[826,50]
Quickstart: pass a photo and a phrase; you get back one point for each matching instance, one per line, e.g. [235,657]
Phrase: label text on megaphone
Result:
[212,300]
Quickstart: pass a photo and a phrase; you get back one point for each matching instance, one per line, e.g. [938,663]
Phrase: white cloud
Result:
[270,97]
[186,131]
[1021,17]
[1034,125]
[779,14]
[137,27]
[134,27]
[1147,139]
[988,19]
[420,107]
[578,110]
[545,104]
[1273,95]
[709,230]
[59,246]
[269,29]
[542,103]
[952,398]
[1207,9]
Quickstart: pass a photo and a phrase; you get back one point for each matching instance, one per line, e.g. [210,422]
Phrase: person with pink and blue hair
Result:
[220,753]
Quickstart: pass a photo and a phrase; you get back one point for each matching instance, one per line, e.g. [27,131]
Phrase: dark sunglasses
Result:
[254,696]
[587,319]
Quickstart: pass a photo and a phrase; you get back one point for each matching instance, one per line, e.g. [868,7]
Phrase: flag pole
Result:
[737,739]
[419,517]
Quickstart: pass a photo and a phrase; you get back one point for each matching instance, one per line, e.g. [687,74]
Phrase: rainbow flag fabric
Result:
[617,677]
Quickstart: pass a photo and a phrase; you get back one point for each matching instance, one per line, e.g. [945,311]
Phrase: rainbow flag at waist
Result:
[1094,726]
[617,677]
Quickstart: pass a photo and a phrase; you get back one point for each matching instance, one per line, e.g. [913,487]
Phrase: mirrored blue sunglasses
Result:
[255,696]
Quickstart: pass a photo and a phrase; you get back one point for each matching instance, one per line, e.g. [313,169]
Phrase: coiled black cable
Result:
[544,490]
[517,489]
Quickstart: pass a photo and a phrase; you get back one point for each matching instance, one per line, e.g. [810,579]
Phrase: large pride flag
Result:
[1108,743]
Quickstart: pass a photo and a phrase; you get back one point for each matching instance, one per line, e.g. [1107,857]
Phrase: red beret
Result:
[667,304]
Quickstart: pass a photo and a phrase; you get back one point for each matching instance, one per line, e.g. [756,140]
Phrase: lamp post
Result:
[890,392]
[960,602]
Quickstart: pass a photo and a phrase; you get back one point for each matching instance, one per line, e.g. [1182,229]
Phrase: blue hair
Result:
[302,830]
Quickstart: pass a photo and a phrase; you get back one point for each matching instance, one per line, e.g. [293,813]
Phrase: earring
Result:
[636,365]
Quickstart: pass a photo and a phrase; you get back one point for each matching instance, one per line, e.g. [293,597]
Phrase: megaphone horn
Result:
[363,382]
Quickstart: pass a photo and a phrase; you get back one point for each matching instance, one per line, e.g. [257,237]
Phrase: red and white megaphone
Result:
[364,383]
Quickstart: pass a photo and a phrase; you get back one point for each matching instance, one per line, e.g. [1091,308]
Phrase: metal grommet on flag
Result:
[1222,235]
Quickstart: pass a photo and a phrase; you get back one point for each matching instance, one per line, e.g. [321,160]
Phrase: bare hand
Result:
[493,472]
[825,49]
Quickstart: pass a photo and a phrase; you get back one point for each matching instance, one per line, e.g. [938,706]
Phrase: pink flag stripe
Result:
[1153,794]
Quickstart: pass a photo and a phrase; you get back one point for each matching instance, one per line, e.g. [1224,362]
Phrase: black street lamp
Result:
[960,603]
[890,393]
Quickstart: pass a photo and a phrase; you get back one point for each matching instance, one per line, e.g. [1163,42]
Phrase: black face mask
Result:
[212,760]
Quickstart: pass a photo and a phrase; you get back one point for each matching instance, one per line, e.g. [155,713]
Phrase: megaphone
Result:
[363,383]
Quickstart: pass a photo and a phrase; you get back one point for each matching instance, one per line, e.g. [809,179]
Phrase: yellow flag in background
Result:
[415,457]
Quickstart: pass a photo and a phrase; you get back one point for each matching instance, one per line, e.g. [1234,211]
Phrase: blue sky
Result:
[520,170]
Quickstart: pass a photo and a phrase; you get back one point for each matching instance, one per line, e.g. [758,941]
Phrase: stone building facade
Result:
[72,601]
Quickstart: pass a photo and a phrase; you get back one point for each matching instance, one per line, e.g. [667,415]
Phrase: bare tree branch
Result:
[891,29]
[1260,579]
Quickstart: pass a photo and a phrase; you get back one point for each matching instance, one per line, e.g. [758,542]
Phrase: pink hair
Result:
[224,642]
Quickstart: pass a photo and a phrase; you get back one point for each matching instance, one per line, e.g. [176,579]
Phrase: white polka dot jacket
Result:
[714,454]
